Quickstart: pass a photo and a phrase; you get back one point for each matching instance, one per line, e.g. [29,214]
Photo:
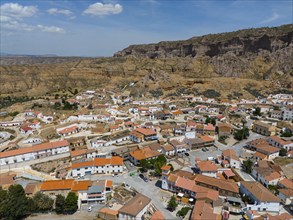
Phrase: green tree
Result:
[182,212]
[42,202]
[241,134]
[213,121]
[283,152]
[13,114]
[60,204]
[172,168]
[158,163]
[16,205]
[208,120]
[287,134]
[172,204]
[145,165]
[257,112]
[71,203]
[247,166]
[57,105]
[3,194]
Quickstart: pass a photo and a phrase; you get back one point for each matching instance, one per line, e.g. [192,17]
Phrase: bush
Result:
[241,134]
[253,92]
[42,202]
[13,114]
[287,134]
[172,204]
[182,212]
[211,93]
[156,93]
[247,166]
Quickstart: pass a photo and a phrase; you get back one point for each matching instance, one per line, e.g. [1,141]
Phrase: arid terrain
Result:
[246,63]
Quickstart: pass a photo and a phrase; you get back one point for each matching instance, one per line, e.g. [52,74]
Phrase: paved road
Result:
[213,152]
[158,196]
[245,176]
[239,146]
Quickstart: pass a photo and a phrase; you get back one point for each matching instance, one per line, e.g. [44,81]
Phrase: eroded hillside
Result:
[248,62]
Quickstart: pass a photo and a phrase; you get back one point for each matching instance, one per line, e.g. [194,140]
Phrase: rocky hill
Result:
[244,63]
[229,54]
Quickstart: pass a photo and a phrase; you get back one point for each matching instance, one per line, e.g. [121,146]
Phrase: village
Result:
[185,157]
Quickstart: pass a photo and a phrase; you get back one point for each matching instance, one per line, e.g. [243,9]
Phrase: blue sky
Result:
[100,28]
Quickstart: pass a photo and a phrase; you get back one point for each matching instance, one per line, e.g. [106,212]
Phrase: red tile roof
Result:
[35,148]
[49,185]
[68,130]
[145,131]
[99,162]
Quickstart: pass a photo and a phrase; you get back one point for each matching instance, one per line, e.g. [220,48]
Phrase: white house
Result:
[34,152]
[232,158]
[206,168]
[98,166]
[47,119]
[286,196]
[168,150]
[280,143]
[68,130]
[32,141]
[288,113]
[266,176]
[136,208]
[11,123]
[98,191]
[261,197]
[96,143]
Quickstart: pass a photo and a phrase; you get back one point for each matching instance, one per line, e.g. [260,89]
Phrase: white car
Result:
[90,208]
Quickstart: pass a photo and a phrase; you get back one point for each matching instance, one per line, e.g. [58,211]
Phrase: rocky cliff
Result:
[259,60]
[229,54]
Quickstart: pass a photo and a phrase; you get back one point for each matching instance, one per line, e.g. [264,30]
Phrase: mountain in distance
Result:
[245,63]
[3,54]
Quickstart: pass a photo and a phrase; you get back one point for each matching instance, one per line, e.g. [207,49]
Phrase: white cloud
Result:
[13,15]
[17,26]
[100,9]
[274,17]
[55,11]
[50,29]
[4,18]
[18,11]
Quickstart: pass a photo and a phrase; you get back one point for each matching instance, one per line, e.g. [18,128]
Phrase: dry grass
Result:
[283,161]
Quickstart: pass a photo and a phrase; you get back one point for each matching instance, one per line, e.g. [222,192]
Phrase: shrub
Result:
[182,212]
[211,93]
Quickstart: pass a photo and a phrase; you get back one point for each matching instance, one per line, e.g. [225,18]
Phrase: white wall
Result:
[106,169]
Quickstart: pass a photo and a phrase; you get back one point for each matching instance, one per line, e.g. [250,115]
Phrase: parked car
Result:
[90,208]
[203,149]
[146,179]
[141,176]
[186,154]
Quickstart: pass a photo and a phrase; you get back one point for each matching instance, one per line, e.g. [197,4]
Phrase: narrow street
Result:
[146,188]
